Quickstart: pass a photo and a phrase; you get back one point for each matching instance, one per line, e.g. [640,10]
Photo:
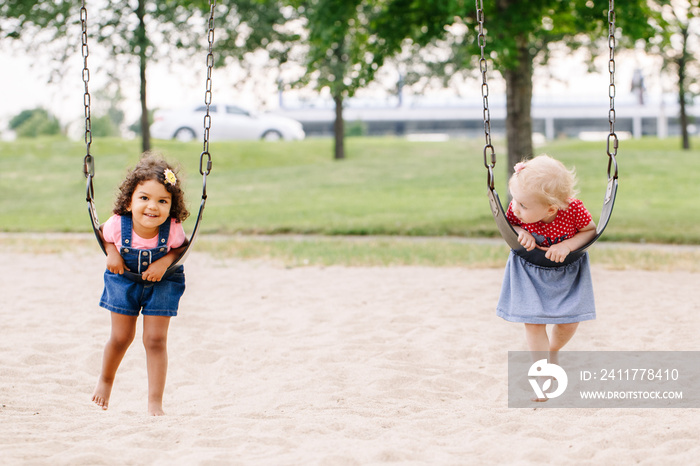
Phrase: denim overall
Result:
[129,293]
[138,260]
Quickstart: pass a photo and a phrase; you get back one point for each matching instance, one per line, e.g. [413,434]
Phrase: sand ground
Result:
[327,366]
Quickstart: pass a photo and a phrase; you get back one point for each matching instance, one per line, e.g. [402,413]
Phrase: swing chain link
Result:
[207,99]
[489,151]
[612,143]
[89,161]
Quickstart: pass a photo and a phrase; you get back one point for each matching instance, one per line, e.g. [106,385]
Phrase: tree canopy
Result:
[342,44]
[127,29]
[518,38]
[35,122]
[678,47]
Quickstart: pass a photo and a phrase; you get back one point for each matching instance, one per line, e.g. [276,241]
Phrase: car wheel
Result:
[184,134]
[271,135]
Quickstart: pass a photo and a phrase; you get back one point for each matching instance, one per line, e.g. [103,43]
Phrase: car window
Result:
[203,108]
[232,109]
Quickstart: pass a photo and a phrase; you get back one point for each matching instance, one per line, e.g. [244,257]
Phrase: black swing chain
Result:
[89,162]
[612,137]
[612,142]
[207,100]
[489,163]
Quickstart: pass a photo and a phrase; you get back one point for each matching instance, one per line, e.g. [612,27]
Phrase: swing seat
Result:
[97,229]
[205,163]
[537,256]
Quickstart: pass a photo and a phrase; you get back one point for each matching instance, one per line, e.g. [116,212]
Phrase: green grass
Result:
[371,251]
[359,251]
[387,186]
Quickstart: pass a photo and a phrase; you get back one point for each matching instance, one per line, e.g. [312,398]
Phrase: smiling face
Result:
[150,208]
[529,207]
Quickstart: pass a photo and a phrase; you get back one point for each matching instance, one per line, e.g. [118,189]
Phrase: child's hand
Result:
[557,252]
[155,271]
[115,263]
[527,240]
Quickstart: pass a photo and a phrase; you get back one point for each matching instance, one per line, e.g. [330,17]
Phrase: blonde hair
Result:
[546,178]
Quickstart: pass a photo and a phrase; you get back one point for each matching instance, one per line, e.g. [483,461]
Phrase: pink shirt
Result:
[112,232]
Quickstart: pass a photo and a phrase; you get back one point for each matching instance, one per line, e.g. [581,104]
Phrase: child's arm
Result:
[155,271]
[525,238]
[558,252]
[115,261]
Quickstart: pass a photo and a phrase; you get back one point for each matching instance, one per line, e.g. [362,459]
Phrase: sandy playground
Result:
[322,366]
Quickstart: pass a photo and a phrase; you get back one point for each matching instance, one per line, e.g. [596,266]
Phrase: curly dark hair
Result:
[151,167]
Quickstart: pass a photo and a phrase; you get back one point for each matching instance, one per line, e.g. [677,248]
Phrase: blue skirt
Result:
[546,295]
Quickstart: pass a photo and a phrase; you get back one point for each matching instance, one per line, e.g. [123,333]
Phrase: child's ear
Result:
[553,209]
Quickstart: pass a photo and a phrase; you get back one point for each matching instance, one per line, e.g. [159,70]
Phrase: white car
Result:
[227,122]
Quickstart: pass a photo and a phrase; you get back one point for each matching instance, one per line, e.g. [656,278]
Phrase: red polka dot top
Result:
[565,225]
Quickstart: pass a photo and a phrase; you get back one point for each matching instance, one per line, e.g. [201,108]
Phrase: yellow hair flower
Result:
[170,177]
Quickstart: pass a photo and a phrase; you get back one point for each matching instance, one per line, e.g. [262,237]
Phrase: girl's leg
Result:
[155,340]
[536,337]
[561,334]
[122,334]
[538,344]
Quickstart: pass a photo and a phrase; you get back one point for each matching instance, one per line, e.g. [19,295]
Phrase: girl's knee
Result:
[123,330]
[122,339]
[155,341]
[535,328]
[155,332]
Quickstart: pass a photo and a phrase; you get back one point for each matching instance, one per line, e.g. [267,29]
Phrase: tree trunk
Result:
[681,91]
[143,44]
[339,128]
[145,126]
[518,106]
[681,100]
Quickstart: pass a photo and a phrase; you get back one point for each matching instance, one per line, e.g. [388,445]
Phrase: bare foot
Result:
[543,383]
[103,390]
[155,409]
